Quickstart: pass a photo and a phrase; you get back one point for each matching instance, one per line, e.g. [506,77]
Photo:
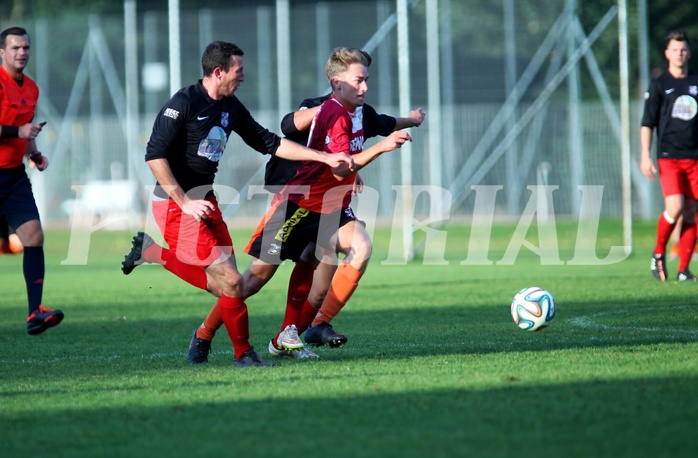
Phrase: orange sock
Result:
[343,285]
[211,324]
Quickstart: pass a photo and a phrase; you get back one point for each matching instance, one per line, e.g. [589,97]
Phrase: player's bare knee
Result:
[362,250]
[316,298]
[231,284]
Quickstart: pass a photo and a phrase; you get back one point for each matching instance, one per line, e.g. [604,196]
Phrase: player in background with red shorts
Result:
[187,142]
[671,109]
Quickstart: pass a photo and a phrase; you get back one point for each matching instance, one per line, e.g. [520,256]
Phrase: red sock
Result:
[308,313]
[234,314]
[343,285]
[664,229]
[298,290]
[194,275]
[687,244]
[211,324]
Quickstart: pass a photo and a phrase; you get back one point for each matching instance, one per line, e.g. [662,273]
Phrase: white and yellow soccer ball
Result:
[533,308]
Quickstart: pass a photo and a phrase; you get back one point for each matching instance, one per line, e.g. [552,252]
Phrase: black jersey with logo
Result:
[192,130]
[278,170]
[671,108]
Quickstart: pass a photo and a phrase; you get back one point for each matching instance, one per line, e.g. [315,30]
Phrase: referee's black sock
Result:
[34,268]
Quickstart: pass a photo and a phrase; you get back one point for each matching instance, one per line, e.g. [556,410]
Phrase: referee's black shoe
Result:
[43,318]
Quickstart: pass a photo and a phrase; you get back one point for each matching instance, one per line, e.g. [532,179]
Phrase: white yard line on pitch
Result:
[590,322]
[103,358]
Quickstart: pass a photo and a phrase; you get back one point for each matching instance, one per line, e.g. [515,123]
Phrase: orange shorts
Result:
[196,243]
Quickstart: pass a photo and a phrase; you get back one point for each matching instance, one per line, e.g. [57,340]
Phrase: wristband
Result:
[10,131]
[35,156]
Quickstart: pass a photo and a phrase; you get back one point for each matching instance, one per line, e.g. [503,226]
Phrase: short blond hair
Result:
[341,59]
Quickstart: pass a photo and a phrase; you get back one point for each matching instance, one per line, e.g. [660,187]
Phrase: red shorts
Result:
[678,176]
[196,243]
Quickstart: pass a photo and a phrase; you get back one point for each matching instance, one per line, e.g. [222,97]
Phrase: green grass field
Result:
[434,365]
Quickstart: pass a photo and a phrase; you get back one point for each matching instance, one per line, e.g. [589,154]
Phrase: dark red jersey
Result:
[335,129]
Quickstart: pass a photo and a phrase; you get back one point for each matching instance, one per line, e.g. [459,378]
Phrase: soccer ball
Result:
[532,308]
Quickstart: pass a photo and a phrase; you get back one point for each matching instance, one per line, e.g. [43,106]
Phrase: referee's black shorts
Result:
[17,204]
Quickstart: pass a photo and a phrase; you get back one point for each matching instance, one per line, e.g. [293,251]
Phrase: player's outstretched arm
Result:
[414,119]
[295,152]
[365,157]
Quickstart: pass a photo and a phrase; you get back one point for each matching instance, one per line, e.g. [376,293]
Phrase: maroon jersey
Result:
[335,129]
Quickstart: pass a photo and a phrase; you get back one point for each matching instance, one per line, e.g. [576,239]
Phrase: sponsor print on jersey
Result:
[213,145]
[693,90]
[356,144]
[685,108]
[290,223]
[171,113]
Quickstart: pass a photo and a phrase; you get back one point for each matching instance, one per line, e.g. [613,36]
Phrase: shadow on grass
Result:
[647,418]
[373,334]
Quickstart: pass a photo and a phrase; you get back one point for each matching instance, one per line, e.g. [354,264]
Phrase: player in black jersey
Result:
[187,142]
[296,126]
[671,109]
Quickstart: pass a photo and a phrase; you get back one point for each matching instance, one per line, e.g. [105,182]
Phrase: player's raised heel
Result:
[658,267]
[199,349]
[323,334]
[141,241]
[251,359]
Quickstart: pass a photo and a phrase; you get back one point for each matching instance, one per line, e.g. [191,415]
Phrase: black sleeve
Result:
[653,103]
[288,126]
[168,127]
[253,134]
[377,124]
[278,170]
